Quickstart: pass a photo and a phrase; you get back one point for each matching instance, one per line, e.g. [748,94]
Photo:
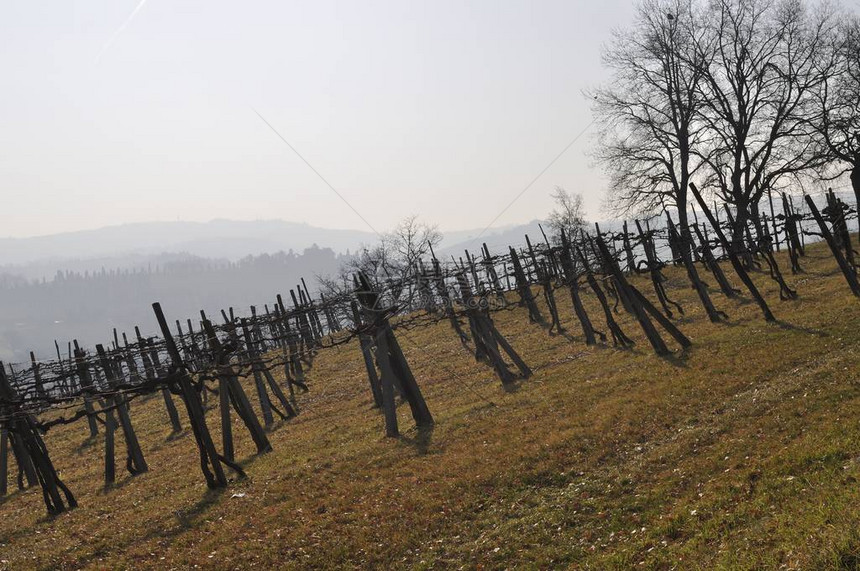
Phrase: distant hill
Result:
[228,239]
[142,244]
[497,239]
[80,285]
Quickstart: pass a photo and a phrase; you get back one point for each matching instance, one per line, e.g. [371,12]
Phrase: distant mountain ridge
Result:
[229,239]
[128,245]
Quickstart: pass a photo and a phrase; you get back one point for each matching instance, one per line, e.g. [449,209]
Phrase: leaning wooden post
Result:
[237,394]
[86,388]
[488,337]
[840,232]
[571,279]
[628,250]
[714,266]
[683,240]
[391,358]
[654,269]
[618,335]
[773,218]
[792,242]
[524,289]
[263,397]
[261,371]
[847,270]
[389,407]
[209,457]
[447,302]
[366,346]
[633,302]
[800,234]
[490,269]
[733,257]
[135,462]
[63,380]
[37,376]
[151,368]
[25,430]
[298,377]
[486,347]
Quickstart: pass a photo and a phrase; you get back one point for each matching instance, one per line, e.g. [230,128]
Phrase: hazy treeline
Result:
[87,305]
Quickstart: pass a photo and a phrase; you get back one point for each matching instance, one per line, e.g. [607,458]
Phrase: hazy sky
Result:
[446,109]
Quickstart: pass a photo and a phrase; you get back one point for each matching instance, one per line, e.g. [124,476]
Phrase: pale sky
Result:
[444,109]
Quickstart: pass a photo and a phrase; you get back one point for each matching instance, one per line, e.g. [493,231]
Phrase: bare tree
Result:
[650,117]
[765,61]
[649,111]
[568,214]
[411,240]
[837,127]
[390,264]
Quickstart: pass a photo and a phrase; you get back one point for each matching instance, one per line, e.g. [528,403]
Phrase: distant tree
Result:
[568,214]
[391,263]
[411,240]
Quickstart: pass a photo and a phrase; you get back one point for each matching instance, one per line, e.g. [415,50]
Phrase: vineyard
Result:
[275,398]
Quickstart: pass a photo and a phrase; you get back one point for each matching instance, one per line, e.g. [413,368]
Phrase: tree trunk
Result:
[738,227]
[739,233]
[755,214]
[855,182]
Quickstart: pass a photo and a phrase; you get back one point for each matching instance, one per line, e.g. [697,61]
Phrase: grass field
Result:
[742,452]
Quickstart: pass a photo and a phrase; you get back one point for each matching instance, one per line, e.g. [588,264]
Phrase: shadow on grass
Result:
[572,338]
[187,517]
[808,330]
[88,443]
[421,440]
[677,358]
[248,461]
[175,435]
[513,386]
[118,485]
[11,496]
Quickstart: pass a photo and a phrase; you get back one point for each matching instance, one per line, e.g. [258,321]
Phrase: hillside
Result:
[742,452]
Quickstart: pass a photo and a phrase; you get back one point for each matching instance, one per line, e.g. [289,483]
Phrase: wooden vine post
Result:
[366,345]
[151,366]
[22,426]
[230,391]
[135,462]
[847,270]
[524,289]
[393,364]
[572,281]
[733,257]
[487,338]
[684,243]
[641,307]
[210,460]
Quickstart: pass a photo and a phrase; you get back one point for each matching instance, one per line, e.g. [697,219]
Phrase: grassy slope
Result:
[742,452]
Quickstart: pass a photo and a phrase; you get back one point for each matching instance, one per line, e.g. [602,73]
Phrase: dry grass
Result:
[741,452]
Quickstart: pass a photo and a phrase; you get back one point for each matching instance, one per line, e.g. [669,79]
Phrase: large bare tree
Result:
[648,111]
[837,127]
[764,62]
[651,116]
